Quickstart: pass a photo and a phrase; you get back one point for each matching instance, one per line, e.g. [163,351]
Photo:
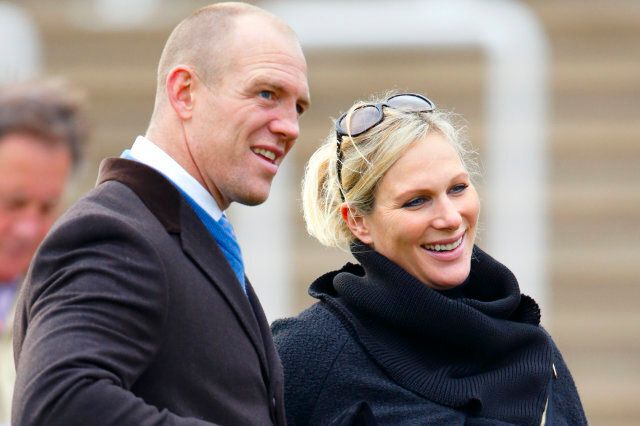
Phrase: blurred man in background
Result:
[42,127]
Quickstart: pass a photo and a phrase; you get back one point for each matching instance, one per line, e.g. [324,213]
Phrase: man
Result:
[41,130]
[136,309]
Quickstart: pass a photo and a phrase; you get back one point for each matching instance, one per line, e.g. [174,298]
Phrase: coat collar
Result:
[155,191]
[482,353]
[166,203]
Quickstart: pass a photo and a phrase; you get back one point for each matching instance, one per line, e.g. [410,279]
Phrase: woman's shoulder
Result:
[314,329]
[318,323]
[308,345]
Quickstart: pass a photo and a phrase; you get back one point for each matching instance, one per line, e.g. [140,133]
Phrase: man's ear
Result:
[179,86]
[357,223]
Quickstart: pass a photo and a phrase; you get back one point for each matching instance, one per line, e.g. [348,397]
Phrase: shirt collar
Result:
[146,152]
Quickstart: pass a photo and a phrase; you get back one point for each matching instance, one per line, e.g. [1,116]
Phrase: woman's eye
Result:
[415,202]
[266,94]
[457,189]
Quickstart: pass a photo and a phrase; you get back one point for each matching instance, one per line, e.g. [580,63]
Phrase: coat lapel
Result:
[275,379]
[174,212]
[203,250]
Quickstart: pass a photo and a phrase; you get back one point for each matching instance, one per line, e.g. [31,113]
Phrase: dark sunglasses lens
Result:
[410,103]
[362,119]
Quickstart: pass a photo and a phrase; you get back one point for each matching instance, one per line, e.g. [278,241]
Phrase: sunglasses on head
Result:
[367,116]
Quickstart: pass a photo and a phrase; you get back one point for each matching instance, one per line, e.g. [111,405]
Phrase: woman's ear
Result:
[357,223]
[179,86]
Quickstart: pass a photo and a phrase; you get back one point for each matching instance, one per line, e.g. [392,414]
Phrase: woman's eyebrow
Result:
[424,189]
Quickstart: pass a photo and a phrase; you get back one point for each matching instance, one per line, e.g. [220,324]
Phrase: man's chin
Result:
[253,199]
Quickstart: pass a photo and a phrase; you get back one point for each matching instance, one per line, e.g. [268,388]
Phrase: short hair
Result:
[365,160]
[51,110]
[200,40]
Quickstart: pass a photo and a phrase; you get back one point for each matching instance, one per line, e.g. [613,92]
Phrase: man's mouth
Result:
[444,247]
[269,155]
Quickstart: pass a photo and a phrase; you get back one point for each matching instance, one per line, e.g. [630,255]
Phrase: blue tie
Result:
[221,231]
[232,250]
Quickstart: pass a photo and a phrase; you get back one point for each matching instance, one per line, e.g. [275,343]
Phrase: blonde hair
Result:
[365,160]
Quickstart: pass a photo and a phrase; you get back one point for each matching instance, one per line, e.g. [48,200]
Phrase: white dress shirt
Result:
[146,152]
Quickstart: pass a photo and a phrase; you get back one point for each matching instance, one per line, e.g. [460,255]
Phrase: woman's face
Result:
[425,214]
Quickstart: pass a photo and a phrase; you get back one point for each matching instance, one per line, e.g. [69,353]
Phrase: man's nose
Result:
[287,123]
[29,225]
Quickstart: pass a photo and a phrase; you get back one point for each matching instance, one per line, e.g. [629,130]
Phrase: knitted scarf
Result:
[482,352]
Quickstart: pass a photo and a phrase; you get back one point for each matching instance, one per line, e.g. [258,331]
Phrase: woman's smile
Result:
[425,214]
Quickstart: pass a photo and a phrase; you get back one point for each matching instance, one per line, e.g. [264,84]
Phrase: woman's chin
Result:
[445,285]
[446,280]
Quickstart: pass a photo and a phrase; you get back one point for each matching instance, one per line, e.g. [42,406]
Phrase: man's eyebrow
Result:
[278,86]
[304,102]
[261,80]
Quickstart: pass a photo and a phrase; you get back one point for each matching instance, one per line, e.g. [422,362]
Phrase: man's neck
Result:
[151,154]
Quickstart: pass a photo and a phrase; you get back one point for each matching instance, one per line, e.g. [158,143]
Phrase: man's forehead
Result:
[262,22]
[257,31]
[263,50]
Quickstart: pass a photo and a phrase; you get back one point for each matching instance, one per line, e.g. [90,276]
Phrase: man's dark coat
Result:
[131,315]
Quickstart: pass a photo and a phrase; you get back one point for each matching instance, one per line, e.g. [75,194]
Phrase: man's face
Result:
[32,179]
[247,121]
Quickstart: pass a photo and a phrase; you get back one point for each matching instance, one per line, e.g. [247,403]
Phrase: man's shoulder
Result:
[109,204]
[109,215]
[109,195]
[109,199]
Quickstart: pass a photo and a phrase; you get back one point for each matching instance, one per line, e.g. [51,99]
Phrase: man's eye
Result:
[266,94]
[48,208]
[13,204]
[300,109]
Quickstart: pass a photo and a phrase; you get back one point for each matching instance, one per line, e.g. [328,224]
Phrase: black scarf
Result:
[481,351]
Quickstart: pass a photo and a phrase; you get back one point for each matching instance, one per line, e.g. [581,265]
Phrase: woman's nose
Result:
[448,215]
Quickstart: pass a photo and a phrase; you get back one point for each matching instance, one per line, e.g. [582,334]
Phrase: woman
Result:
[427,328]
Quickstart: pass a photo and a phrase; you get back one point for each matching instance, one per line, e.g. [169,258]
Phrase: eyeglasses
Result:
[368,116]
